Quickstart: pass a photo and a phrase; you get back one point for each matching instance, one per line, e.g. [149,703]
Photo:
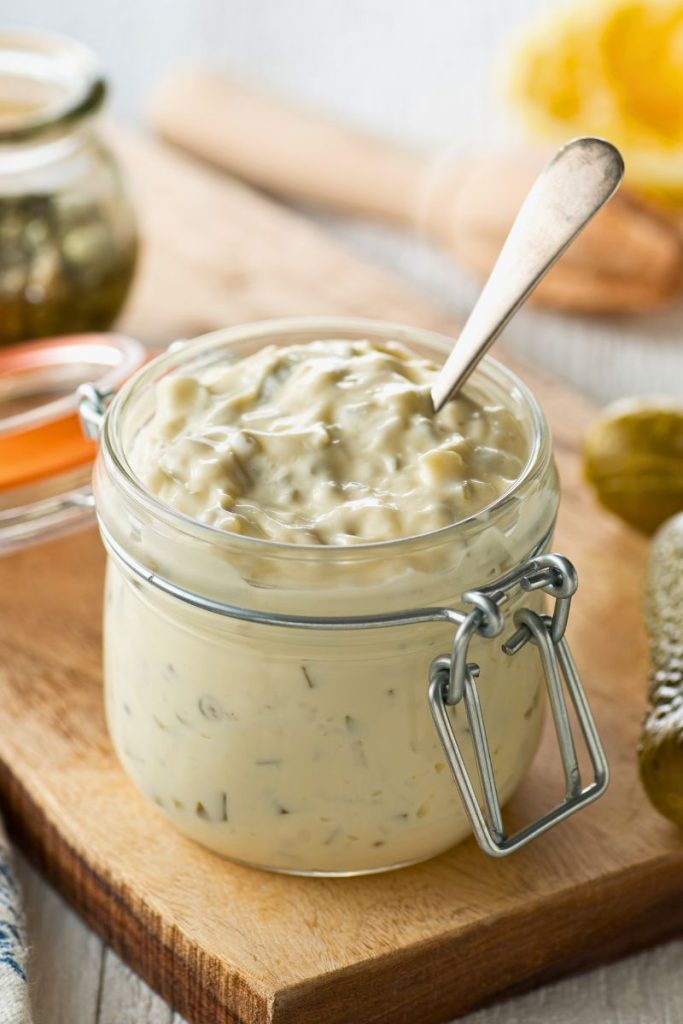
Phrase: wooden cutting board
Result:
[225,943]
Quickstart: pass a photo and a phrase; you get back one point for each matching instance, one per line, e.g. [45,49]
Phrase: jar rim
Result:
[52,60]
[111,450]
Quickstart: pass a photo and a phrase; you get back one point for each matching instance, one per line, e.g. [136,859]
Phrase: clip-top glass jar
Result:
[67,231]
[303,708]
[45,461]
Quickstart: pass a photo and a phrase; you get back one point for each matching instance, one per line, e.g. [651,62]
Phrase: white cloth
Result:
[14,1002]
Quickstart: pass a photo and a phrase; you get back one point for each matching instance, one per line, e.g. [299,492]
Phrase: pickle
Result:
[66,263]
[660,752]
[633,457]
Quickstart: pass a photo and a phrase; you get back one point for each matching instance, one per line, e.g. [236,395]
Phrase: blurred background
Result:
[415,71]
[427,73]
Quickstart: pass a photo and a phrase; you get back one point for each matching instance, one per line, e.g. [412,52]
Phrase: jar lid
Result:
[45,459]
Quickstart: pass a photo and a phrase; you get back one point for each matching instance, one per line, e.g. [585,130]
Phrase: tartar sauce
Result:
[297,749]
[331,442]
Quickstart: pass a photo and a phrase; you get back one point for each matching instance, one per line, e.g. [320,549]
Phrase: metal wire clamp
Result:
[452,680]
[93,403]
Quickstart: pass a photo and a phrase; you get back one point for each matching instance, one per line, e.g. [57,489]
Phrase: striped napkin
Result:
[14,1004]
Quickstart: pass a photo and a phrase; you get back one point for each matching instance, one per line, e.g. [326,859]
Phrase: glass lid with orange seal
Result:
[45,459]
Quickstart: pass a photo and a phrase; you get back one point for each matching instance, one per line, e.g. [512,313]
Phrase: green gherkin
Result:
[633,457]
[661,746]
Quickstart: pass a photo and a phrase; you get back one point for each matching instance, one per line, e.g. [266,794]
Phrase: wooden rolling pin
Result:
[630,258]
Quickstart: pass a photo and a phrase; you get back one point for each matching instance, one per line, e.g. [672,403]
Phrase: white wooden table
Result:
[77,980]
[419,70]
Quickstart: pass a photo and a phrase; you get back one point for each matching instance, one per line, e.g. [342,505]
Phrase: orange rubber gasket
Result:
[44,452]
[48,441]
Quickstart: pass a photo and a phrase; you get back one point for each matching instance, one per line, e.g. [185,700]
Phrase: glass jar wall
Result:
[294,749]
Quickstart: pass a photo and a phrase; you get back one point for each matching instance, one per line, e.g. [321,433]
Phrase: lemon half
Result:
[611,68]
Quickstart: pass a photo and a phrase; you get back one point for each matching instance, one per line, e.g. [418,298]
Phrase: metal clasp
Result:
[452,679]
[92,405]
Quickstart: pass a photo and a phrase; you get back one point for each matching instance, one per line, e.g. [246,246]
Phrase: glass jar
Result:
[45,460]
[67,231]
[272,699]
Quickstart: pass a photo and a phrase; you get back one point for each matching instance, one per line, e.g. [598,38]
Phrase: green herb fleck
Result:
[359,751]
[210,708]
[307,677]
[534,704]
[133,757]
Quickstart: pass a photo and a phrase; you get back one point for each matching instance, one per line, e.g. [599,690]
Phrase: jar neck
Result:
[45,149]
[410,572]
[43,166]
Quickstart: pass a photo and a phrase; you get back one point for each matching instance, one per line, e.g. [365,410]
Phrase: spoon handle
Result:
[577,182]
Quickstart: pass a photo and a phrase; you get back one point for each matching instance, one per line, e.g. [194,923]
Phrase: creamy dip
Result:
[299,752]
[331,442]
[306,750]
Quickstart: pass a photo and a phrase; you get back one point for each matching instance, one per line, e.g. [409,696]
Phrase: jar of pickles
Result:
[67,230]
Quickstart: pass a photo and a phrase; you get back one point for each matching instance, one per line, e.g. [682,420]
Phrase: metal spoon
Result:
[577,182]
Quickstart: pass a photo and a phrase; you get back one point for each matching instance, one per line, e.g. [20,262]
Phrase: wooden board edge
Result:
[161,964]
[432,982]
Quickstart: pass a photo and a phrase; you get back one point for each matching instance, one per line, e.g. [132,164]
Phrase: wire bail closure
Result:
[452,679]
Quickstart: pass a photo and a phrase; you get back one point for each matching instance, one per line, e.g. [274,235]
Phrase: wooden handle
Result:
[629,258]
[287,151]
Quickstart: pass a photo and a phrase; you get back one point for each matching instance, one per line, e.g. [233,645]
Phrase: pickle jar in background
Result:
[67,229]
